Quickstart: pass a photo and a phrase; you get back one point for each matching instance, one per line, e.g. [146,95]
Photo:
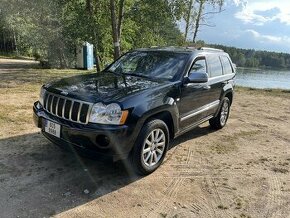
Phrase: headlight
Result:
[108,114]
[41,96]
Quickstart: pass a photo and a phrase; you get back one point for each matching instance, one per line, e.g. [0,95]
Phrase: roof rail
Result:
[210,49]
[190,47]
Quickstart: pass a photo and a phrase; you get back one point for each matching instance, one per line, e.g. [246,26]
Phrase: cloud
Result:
[259,12]
[268,38]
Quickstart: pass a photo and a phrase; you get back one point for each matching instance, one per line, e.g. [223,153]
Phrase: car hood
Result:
[102,86]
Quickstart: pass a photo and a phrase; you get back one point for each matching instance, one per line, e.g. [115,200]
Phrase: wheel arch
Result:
[230,96]
[167,118]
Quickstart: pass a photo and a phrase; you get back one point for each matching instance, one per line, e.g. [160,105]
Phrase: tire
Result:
[150,147]
[220,120]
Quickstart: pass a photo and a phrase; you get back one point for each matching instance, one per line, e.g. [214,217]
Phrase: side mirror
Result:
[197,77]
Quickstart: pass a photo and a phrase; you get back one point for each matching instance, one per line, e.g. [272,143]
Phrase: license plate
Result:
[52,128]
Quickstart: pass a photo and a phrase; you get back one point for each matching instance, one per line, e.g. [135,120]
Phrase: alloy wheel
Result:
[153,147]
[224,113]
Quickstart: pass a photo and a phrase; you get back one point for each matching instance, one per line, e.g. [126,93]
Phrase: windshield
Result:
[150,64]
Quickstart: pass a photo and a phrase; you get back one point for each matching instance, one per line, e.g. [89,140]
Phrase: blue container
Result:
[88,56]
[85,56]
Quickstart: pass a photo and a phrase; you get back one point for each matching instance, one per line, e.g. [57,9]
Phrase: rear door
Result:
[216,81]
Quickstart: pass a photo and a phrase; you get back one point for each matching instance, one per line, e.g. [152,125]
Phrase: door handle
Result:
[206,87]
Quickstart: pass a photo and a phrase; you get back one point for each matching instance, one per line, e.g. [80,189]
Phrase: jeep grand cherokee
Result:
[134,107]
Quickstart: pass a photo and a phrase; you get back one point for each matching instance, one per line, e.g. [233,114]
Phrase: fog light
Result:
[103,141]
[38,106]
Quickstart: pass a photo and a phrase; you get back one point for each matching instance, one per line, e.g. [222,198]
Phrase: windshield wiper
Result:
[137,75]
[113,72]
[129,74]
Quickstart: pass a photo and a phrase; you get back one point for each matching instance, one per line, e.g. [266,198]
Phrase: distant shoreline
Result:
[277,91]
[262,68]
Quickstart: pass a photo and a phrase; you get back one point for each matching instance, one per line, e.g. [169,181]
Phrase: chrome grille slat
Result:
[89,112]
[47,97]
[79,113]
[50,106]
[62,115]
[70,110]
[56,109]
[59,109]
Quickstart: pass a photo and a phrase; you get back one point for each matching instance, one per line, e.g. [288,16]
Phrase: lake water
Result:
[263,79]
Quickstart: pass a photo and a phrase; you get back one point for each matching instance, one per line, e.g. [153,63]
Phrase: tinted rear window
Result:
[227,67]
[215,66]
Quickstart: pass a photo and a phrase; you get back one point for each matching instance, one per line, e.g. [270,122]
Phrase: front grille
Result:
[67,108]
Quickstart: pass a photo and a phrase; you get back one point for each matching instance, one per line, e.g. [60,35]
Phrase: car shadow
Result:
[38,178]
[192,134]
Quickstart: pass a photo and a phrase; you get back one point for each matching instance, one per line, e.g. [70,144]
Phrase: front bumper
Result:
[92,139]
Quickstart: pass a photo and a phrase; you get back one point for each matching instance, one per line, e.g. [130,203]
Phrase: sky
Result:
[254,24]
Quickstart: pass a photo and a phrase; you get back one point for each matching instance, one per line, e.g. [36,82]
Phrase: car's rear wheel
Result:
[150,147]
[221,119]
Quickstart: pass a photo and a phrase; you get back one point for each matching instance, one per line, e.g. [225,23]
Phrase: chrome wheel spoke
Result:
[151,159]
[152,136]
[160,144]
[159,151]
[156,134]
[148,156]
[155,157]
[160,138]
[145,151]
[148,142]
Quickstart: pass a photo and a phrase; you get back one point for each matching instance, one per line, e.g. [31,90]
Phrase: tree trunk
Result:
[15,43]
[120,18]
[90,9]
[4,43]
[197,21]
[187,19]
[116,39]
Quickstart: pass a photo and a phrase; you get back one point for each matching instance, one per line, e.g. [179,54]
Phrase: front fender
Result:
[167,105]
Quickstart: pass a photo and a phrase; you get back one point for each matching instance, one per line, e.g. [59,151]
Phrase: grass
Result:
[36,76]
[19,89]
[13,56]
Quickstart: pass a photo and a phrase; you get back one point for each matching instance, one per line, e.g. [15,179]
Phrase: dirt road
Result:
[239,171]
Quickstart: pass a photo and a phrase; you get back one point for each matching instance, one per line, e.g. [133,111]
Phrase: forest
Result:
[256,59]
[51,30]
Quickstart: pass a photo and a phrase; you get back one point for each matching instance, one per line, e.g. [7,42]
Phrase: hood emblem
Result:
[64,93]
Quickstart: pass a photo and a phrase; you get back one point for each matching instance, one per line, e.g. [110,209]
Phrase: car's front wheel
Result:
[150,147]
[221,119]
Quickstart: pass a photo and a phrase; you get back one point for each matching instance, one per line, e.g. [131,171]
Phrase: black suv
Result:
[134,107]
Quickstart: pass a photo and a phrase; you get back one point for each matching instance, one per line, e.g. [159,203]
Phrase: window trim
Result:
[202,57]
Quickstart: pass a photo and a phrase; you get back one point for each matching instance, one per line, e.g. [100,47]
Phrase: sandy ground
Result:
[239,171]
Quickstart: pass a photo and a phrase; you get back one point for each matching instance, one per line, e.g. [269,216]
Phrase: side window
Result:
[199,66]
[227,67]
[215,66]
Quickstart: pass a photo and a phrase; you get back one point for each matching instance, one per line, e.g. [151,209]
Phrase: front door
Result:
[194,97]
